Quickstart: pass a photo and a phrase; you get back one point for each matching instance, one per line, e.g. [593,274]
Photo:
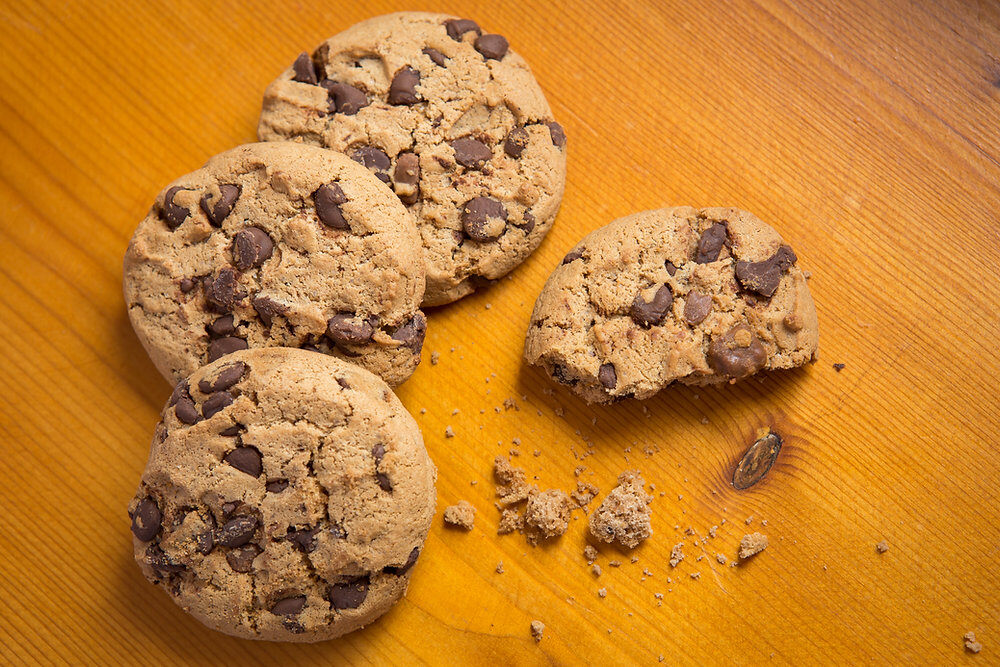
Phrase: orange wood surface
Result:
[866,132]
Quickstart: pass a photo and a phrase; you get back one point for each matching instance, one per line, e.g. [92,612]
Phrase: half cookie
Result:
[451,119]
[286,497]
[277,244]
[677,294]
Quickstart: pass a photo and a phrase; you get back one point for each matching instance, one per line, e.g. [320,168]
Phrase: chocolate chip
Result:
[527,222]
[222,326]
[161,562]
[757,461]
[344,98]
[738,353]
[187,285]
[607,376]
[671,269]
[230,507]
[383,482]
[516,142]
[407,174]
[173,214]
[350,594]
[246,459]
[493,47]
[221,291]
[241,559]
[204,543]
[303,538]
[251,248]
[216,403]
[350,329]
[146,519]
[471,153]
[237,531]
[562,376]
[289,606]
[572,256]
[697,306]
[267,308]
[277,485]
[328,199]
[436,56]
[222,346]
[226,378]
[378,451]
[186,412]
[305,70]
[375,160]
[652,313]
[763,277]
[231,431]
[411,334]
[180,389]
[484,219]
[405,567]
[710,243]
[557,134]
[403,89]
[343,383]
[456,28]
[220,210]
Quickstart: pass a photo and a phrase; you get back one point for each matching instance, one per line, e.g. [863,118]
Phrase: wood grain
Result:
[866,132]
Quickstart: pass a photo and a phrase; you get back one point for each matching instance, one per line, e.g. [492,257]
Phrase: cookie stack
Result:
[404,163]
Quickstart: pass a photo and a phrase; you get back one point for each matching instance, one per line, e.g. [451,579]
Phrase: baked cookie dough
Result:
[448,117]
[286,497]
[277,244]
[677,294]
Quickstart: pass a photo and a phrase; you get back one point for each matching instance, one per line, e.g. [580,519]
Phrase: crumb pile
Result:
[624,514]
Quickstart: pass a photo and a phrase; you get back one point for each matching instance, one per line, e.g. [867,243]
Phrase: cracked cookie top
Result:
[286,496]
[676,294]
[448,117]
[277,244]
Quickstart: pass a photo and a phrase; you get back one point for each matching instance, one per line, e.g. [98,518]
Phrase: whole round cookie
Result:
[277,244]
[286,497]
[451,119]
[677,294]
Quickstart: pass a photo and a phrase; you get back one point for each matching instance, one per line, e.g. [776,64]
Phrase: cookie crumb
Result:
[510,404]
[677,554]
[624,514]
[721,558]
[752,544]
[547,514]
[461,515]
[435,357]
[585,492]
[839,367]
[748,520]
[537,628]
[449,432]
[882,547]
[473,482]
[696,575]
[500,567]
[602,592]
[512,486]
[615,563]
[559,411]
[596,569]
[712,531]
[488,306]
[590,554]
[510,521]
[971,645]
[537,452]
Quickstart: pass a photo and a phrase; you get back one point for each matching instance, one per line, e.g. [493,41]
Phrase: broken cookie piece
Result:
[537,628]
[511,483]
[752,545]
[971,645]
[546,515]
[461,515]
[672,295]
[624,514]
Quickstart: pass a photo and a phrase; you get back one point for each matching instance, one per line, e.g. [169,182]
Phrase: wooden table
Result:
[866,132]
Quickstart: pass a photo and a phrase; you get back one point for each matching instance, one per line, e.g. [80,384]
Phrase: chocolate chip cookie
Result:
[677,294]
[277,244]
[447,116]
[287,496]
